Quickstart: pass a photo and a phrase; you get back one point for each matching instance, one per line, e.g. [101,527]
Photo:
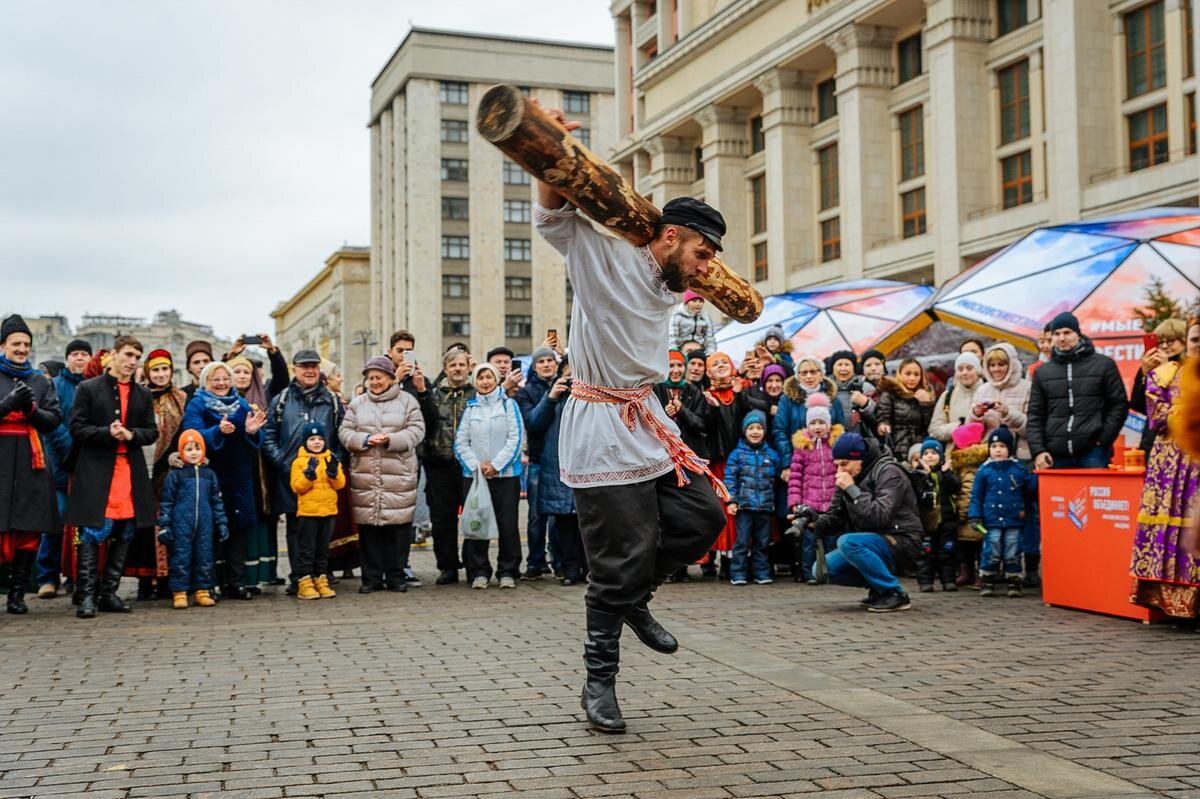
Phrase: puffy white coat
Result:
[491,430]
[1013,391]
[383,479]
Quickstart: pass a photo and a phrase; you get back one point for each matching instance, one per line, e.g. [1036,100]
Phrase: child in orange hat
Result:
[189,512]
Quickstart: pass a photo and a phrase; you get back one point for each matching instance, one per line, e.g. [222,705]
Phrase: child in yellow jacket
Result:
[316,478]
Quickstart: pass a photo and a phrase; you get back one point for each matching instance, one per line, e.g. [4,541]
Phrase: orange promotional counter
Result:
[1089,517]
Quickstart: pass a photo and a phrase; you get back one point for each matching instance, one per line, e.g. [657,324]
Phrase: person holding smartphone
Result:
[1165,344]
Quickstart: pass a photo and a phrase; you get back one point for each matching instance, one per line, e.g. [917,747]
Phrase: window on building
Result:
[1014,102]
[585,136]
[912,143]
[516,210]
[1148,138]
[457,247]
[757,142]
[699,160]
[827,162]
[1145,50]
[456,324]
[518,288]
[456,287]
[760,261]
[454,169]
[908,56]
[826,100]
[517,250]
[577,102]
[454,130]
[455,208]
[514,175]
[1190,122]
[1010,15]
[453,92]
[831,239]
[758,204]
[912,209]
[1016,179]
[518,326]
[1189,41]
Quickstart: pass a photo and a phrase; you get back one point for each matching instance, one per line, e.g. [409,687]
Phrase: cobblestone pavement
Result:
[779,690]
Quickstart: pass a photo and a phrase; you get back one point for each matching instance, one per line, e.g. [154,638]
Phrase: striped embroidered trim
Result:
[655,271]
[541,214]
[632,475]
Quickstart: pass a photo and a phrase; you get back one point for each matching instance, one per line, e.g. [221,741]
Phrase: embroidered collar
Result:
[655,271]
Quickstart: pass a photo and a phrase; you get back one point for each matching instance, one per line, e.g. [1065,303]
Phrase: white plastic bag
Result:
[478,517]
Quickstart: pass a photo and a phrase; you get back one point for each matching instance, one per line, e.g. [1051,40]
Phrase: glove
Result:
[223,533]
[22,396]
[11,401]
[164,536]
[310,472]
[331,468]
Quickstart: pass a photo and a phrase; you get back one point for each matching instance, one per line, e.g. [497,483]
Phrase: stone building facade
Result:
[904,138]
[329,313]
[453,252]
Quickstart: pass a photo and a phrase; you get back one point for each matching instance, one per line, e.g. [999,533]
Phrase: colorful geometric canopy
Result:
[819,321]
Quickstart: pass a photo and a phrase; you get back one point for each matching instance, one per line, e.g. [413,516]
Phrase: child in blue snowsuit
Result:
[189,512]
[998,504]
[750,474]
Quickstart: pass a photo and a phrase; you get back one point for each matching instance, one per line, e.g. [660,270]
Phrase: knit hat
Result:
[380,363]
[1065,319]
[689,295]
[775,332]
[772,369]
[967,435]
[843,354]
[480,367]
[817,408]
[78,345]
[311,429]
[915,451]
[849,447]
[676,355]
[755,417]
[820,364]
[1003,435]
[197,346]
[698,355]
[933,443]
[876,354]
[14,324]
[968,359]
[212,367]
[191,436]
[542,352]
[155,358]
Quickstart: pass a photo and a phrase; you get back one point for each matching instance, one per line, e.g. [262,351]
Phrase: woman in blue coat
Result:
[555,498]
[232,436]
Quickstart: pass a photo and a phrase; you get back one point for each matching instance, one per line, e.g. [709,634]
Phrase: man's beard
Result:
[672,272]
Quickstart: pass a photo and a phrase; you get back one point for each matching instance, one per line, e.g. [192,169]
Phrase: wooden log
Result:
[544,148]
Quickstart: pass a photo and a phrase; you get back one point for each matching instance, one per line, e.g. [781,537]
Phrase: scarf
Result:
[17,371]
[71,377]
[722,389]
[169,403]
[221,406]
[680,384]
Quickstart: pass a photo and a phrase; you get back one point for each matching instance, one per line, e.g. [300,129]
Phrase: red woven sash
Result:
[15,424]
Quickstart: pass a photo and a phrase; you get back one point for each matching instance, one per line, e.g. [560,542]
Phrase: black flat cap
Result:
[699,216]
[306,357]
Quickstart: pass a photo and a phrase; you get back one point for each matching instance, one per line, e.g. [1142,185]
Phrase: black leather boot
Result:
[1033,562]
[87,561]
[114,565]
[649,631]
[19,577]
[602,657]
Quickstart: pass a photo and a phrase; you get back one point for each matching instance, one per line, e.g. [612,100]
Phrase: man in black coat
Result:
[111,497]
[28,416]
[1077,405]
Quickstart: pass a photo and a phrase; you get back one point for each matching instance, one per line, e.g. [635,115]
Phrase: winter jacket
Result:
[1013,391]
[811,481]
[1077,402]
[692,419]
[491,430]
[952,410]
[750,474]
[544,420]
[383,478]
[908,417]
[966,463]
[64,386]
[792,415]
[233,457]
[284,434]
[853,416]
[449,402]
[937,498]
[881,501]
[191,503]
[724,425]
[527,398]
[318,496]
[94,452]
[999,493]
[686,326]
[27,495]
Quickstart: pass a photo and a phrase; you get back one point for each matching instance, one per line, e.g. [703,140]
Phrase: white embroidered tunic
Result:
[618,340]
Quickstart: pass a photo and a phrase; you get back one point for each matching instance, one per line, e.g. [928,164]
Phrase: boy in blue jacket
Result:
[750,474]
[189,513]
[998,504]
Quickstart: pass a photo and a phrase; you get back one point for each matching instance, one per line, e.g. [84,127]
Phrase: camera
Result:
[805,517]
[248,340]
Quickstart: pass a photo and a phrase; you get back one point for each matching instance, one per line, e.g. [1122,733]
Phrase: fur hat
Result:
[1004,436]
[14,324]
[194,347]
[849,447]
[78,345]
[755,417]
[967,435]
[191,436]
[817,408]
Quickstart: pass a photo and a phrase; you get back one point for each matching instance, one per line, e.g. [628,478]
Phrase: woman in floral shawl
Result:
[1166,574]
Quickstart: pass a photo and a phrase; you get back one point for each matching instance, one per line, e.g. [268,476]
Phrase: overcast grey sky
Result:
[204,156]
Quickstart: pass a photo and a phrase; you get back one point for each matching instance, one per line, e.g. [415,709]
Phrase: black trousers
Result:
[506,496]
[570,545]
[939,556]
[445,494]
[290,525]
[637,535]
[234,550]
[313,534]
[384,552]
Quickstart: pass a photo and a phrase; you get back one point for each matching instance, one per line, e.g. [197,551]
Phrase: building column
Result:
[671,170]
[421,309]
[726,141]
[549,270]
[787,115]
[1037,126]
[867,185]
[1176,44]
[963,169]
[378,320]
[486,192]
[623,90]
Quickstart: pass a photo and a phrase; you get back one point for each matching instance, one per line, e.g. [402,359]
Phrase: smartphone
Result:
[248,340]
[410,357]
[1150,341]
[552,334]
[516,365]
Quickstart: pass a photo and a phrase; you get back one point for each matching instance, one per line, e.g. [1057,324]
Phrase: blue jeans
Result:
[865,560]
[1095,458]
[49,554]
[1001,546]
[753,538]
[539,526]
[808,551]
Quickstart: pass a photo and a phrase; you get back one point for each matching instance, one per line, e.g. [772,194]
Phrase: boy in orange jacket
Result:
[316,478]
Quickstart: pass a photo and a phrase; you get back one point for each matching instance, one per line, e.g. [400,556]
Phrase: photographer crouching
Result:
[875,510]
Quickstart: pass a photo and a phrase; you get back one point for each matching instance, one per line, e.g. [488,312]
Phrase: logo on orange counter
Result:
[1077,510]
